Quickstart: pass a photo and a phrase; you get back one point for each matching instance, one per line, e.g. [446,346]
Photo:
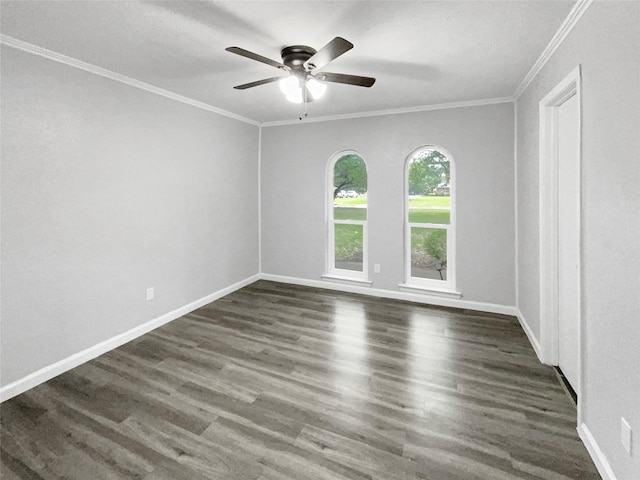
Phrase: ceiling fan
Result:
[304,82]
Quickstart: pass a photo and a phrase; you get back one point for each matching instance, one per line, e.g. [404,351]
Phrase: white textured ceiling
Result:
[421,52]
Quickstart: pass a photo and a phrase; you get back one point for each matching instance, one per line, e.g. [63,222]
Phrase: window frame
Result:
[333,273]
[448,286]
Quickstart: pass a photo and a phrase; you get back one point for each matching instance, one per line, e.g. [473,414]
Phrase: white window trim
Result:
[346,281]
[436,292]
[436,287]
[339,274]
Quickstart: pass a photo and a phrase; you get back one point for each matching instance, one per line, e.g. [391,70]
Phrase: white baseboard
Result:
[55,369]
[598,457]
[532,338]
[397,295]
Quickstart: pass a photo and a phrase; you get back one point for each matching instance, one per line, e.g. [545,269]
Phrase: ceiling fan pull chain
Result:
[304,100]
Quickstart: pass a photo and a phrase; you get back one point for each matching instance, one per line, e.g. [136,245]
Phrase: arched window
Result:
[347,216]
[430,219]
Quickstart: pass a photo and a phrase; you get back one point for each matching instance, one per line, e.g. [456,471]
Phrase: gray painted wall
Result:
[108,190]
[480,139]
[606,42]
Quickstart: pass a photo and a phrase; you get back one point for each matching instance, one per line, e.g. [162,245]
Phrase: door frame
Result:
[548,198]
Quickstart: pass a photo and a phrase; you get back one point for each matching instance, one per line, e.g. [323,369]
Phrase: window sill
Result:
[347,280]
[436,292]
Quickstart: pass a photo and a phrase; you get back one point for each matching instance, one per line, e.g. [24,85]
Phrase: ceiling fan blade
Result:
[348,79]
[329,52]
[244,86]
[254,56]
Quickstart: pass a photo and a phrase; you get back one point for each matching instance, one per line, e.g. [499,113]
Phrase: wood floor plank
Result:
[280,381]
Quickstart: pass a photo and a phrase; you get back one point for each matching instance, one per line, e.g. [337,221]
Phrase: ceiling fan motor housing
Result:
[294,57]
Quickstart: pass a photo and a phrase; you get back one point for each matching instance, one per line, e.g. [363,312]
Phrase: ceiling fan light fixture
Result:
[290,86]
[316,88]
[296,97]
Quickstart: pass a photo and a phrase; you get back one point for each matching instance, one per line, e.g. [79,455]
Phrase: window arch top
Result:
[349,173]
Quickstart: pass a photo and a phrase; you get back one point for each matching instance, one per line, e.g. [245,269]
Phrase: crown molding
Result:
[103,72]
[574,15]
[394,111]
[563,31]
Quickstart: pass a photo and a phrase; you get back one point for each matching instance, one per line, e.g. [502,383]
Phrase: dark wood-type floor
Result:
[286,382]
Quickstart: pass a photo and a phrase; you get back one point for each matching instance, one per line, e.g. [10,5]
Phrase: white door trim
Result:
[548,190]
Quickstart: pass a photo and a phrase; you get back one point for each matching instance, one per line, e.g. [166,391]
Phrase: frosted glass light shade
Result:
[290,86]
[316,88]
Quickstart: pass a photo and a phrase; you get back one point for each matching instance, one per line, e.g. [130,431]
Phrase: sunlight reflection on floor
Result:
[351,349]
[427,356]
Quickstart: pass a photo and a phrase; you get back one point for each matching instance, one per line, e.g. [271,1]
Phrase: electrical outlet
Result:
[376,268]
[150,293]
[625,435]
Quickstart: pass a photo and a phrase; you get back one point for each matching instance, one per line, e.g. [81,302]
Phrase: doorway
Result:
[560,226]
[569,239]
